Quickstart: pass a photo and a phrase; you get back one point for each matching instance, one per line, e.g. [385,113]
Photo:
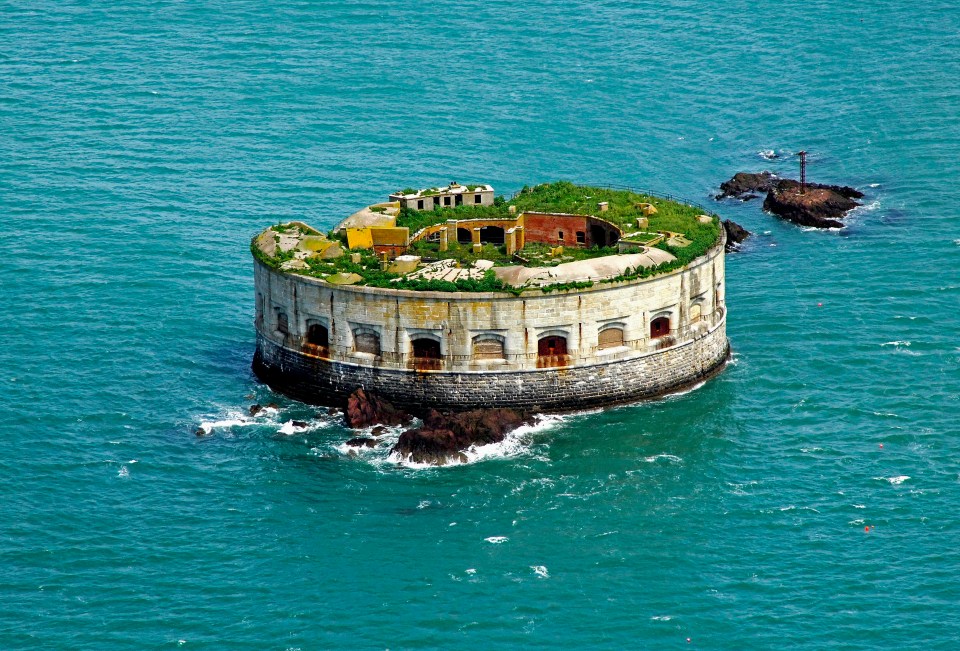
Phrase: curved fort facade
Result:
[587,324]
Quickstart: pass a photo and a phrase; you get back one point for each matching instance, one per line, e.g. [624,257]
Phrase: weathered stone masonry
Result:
[613,351]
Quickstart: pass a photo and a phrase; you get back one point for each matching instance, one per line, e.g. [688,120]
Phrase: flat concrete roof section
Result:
[609,266]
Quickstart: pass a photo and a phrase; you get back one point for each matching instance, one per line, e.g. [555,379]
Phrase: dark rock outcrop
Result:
[819,206]
[255,409]
[362,441]
[365,409]
[744,184]
[735,234]
[444,437]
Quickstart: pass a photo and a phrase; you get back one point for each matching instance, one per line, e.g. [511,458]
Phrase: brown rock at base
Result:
[444,437]
[365,409]
[819,206]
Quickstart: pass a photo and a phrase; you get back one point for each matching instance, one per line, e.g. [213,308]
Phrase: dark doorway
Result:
[318,335]
[598,236]
[464,236]
[659,327]
[426,349]
[459,200]
[426,354]
[491,235]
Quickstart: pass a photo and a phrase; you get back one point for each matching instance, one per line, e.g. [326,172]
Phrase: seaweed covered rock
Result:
[365,409]
[444,437]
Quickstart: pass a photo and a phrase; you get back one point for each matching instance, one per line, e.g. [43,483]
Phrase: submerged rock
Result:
[445,437]
[743,184]
[362,441]
[819,206]
[735,234]
[365,409]
[255,409]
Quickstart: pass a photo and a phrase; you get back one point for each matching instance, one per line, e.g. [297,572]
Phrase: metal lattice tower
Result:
[803,171]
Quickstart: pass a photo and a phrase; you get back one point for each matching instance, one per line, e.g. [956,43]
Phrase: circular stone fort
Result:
[563,297]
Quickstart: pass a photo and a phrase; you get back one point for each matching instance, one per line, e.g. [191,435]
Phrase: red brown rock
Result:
[365,409]
[444,437]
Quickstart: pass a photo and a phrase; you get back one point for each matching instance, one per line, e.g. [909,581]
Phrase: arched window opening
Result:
[491,235]
[426,354]
[660,327]
[317,335]
[283,324]
[611,338]
[487,347]
[464,236]
[552,351]
[426,348]
[366,342]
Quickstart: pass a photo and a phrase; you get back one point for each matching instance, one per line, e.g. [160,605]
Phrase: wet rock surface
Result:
[362,441]
[819,206]
[444,437]
[735,234]
[365,409]
[743,185]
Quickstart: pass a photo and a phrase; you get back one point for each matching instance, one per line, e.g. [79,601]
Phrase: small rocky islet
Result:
[443,437]
[817,205]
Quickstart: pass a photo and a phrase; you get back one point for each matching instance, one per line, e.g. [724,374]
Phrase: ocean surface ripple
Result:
[805,499]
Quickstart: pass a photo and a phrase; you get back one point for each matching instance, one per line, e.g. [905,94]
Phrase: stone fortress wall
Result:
[558,351]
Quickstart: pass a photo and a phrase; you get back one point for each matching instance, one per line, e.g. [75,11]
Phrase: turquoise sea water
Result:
[143,143]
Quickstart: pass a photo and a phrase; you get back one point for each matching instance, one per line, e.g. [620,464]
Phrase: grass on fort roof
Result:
[566,197]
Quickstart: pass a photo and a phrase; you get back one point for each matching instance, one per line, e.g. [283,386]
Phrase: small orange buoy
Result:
[881,446]
[867,529]
[819,304]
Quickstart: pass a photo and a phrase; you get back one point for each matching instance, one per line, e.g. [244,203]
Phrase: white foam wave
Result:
[123,472]
[496,540]
[661,618]
[896,481]
[289,428]
[668,457]
[209,425]
[767,154]
[540,571]
[515,443]
[898,344]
